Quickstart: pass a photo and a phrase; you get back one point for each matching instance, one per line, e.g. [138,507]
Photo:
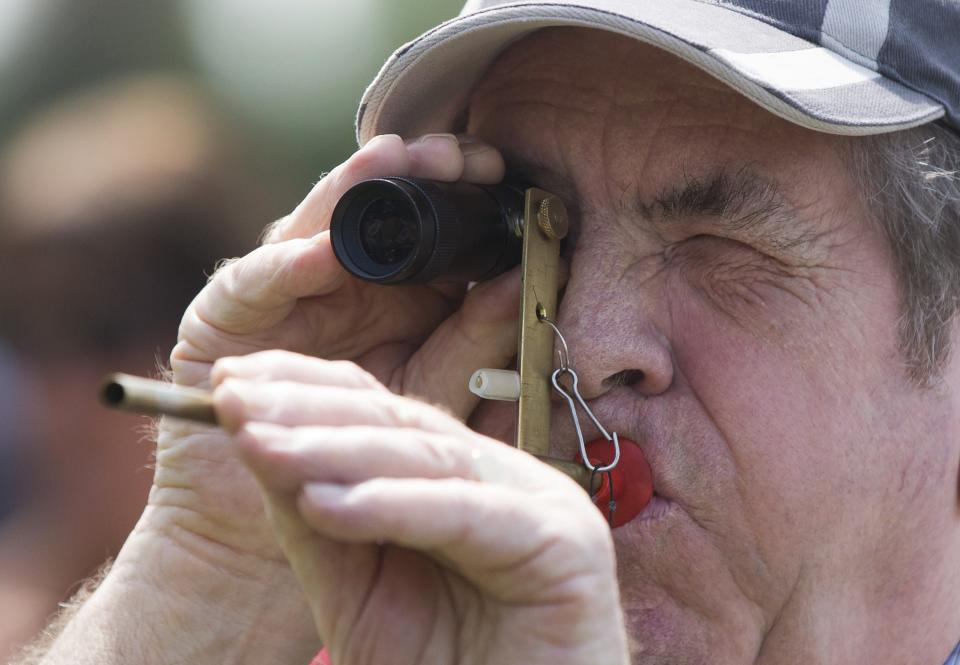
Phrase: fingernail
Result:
[325,494]
[239,391]
[471,145]
[437,140]
[236,384]
[230,405]
[474,149]
[223,368]
[381,138]
[268,433]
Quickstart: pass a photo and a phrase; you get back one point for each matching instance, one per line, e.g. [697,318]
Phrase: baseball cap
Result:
[852,67]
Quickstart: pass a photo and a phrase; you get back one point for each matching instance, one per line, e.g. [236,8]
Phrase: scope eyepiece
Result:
[406,230]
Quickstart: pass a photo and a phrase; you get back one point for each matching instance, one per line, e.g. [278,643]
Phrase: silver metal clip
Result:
[573,397]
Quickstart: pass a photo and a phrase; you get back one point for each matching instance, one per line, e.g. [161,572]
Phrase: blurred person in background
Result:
[113,208]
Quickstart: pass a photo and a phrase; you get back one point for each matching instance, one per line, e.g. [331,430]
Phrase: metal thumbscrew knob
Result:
[552,218]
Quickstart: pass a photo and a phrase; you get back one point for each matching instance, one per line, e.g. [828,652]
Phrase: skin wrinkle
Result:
[184,541]
[436,629]
[765,571]
[742,283]
[645,164]
[735,458]
[363,604]
[785,284]
[605,130]
[460,610]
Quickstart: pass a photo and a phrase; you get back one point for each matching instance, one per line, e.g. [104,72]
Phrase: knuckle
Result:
[227,274]
[350,172]
[368,494]
[232,277]
[275,357]
[406,412]
[443,454]
[273,231]
[353,370]
[397,413]
[221,266]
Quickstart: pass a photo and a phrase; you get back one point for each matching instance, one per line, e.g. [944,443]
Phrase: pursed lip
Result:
[658,509]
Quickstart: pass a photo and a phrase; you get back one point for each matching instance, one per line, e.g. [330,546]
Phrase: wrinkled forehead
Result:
[625,98]
[586,63]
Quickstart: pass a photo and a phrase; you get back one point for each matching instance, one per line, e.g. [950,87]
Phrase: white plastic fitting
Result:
[501,384]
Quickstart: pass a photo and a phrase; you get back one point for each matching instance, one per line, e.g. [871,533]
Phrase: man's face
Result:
[732,309]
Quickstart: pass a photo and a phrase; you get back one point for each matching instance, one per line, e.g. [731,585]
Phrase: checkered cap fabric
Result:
[839,66]
[954,658]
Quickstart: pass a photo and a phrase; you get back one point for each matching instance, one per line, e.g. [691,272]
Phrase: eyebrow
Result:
[739,201]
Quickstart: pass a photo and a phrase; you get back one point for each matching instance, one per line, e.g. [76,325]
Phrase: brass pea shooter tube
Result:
[158,398]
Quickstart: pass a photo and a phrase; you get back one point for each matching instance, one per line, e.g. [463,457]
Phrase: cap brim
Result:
[425,85]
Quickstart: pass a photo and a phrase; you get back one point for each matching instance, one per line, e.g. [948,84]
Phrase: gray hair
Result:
[911,183]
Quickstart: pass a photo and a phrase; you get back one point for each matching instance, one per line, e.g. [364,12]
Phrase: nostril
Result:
[627,377]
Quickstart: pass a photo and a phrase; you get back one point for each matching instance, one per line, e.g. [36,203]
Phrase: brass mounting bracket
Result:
[544,226]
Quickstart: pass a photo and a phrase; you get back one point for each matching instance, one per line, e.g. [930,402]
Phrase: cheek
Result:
[782,386]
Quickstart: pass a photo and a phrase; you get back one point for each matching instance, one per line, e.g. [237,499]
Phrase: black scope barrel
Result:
[407,230]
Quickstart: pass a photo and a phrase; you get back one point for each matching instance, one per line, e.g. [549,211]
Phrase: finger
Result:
[277,365]
[495,535]
[290,404]
[482,163]
[330,572]
[482,333]
[260,289]
[435,157]
[384,155]
[284,458]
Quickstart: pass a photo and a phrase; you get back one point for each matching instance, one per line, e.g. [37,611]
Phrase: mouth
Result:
[661,504]
[627,492]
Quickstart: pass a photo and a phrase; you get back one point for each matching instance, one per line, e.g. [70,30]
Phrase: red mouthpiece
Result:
[631,480]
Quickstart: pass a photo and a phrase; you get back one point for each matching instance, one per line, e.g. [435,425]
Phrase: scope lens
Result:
[389,231]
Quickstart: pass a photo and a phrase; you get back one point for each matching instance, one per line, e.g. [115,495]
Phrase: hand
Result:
[416,539]
[291,293]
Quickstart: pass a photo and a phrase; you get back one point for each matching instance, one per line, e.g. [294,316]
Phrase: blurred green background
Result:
[290,71]
[140,143]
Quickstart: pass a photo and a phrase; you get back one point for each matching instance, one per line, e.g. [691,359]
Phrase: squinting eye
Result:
[721,242]
[708,237]
[704,248]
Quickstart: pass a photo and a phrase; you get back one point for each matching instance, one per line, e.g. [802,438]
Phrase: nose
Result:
[614,338]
